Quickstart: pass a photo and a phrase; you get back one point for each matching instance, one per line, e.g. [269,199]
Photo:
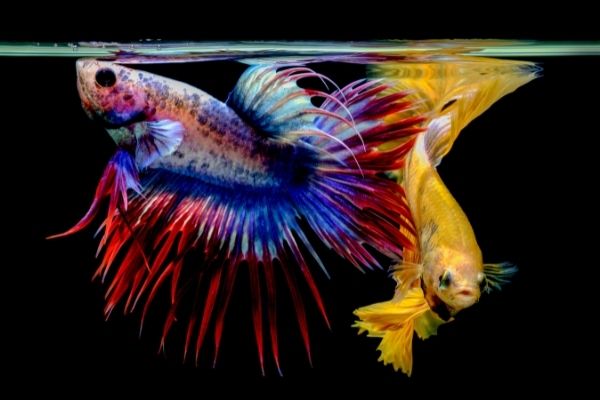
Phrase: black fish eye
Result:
[445,280]
[105,77]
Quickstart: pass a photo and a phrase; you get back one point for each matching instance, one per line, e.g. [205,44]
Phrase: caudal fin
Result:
[455,90]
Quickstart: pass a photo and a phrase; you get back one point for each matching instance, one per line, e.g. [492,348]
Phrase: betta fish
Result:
[239,183]
[443,272]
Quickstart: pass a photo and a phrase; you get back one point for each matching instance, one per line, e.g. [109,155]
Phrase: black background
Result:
[521,172]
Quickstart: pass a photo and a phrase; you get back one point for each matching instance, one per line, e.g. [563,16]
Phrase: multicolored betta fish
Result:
[443,273]
[235,181]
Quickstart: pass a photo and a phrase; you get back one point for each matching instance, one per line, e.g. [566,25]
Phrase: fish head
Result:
[111,93]
[453,281]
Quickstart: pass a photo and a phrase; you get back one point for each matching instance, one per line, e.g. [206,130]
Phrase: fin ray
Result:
[497,275]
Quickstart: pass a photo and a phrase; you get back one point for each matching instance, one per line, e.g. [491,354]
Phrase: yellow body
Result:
[445,238]
[446,242]
[444,272]
[430,202]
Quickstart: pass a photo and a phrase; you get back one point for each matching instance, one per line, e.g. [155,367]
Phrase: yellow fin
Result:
[393,321]
[458,89]
[427,324]
[396,348]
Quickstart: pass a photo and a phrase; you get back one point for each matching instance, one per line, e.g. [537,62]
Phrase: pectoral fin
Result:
[497,275]
[156,139]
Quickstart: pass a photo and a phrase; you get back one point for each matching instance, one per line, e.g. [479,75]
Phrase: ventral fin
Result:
[394,322]
[120,175]
[427,324]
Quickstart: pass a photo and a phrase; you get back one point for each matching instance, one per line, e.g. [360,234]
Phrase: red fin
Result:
[119,175]
[272,311]
[209,304]
[300,313]
[228,290]
[345,201]
[257,318]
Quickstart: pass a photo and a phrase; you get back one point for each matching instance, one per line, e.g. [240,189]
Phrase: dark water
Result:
[517,171]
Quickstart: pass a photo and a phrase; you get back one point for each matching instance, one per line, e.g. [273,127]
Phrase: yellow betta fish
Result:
[444,273]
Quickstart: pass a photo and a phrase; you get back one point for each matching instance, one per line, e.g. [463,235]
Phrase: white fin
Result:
[156,139]
[438,140]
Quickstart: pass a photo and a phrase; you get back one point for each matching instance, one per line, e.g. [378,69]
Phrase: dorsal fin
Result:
[272,101]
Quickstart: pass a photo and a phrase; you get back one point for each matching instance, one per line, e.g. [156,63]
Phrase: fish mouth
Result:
[97,110]
[85,72]
[465,298]
[83,64]
[85,69]
[86,66]
[436,304]
[442,310]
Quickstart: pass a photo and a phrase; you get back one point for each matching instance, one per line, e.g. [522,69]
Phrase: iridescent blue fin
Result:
[497,275]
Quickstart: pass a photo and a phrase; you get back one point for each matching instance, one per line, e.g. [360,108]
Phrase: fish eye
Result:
[445,279]
[105,77]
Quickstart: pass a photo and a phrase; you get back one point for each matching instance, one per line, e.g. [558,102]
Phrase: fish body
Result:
[451,261]
[217,145]
[443,272]
[235,182]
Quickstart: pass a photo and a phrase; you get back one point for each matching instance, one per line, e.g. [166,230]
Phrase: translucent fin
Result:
[458,88]
[272,101]
[497,275]
[156,139]
[405,274]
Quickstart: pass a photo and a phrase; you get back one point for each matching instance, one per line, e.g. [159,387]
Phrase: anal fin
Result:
[394,322]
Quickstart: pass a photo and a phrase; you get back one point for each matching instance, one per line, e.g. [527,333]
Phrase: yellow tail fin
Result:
[458,89]
[394,322]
